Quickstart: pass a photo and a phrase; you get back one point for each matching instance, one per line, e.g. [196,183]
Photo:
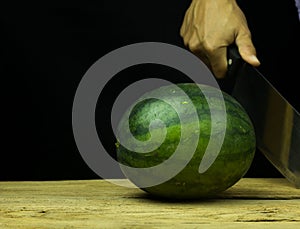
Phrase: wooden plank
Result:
[263,203]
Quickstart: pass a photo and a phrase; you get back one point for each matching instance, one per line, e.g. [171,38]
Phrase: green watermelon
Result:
[230,165]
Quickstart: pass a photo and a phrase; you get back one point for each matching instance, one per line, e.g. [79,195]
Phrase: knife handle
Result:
[234,61]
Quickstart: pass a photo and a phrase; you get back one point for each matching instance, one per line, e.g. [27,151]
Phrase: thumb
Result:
[246,48]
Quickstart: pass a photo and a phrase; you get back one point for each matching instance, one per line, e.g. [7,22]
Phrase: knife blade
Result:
[275,120]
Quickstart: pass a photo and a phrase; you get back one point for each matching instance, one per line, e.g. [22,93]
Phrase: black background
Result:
[46,50]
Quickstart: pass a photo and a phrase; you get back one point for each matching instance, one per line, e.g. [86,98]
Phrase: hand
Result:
[209,26]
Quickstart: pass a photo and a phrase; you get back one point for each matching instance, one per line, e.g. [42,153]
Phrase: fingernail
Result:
[254,59]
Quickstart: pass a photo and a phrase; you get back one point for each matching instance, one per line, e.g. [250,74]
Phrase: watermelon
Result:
[232,161]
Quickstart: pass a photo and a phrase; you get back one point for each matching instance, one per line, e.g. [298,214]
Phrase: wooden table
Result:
[251,203]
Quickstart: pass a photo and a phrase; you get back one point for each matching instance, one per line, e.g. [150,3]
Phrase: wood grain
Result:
[259,203]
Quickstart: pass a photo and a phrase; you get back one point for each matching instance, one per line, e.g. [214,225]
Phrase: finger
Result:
[246,48]
[218,62]
[198,50]
[193,41]
[203,58]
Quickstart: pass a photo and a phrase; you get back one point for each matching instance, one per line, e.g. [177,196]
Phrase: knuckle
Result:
[182,31]
[209,47]
[194,47]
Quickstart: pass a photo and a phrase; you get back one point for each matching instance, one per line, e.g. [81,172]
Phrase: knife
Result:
[276,121]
